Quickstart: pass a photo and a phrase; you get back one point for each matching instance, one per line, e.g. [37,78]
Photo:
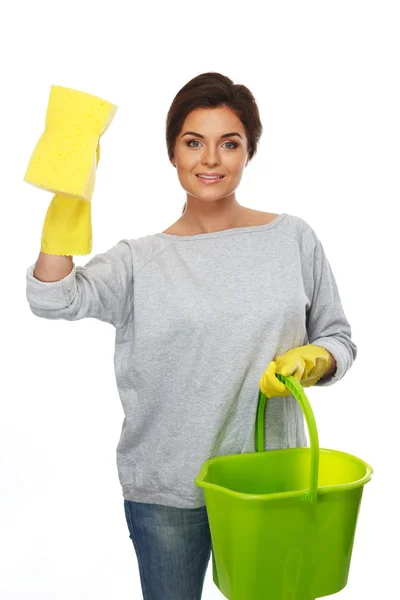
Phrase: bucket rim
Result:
[321,490]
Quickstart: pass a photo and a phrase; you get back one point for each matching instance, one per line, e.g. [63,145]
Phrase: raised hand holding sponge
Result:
[67,228]
[64,159]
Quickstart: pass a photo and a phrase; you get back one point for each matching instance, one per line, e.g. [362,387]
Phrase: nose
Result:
[210,157]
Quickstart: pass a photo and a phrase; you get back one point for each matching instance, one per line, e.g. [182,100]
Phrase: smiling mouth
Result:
[209,180]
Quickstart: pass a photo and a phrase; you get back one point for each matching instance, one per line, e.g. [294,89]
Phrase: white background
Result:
[326,79]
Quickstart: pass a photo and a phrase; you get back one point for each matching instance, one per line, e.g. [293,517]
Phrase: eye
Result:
[233,143]
[191,142]
[194,141]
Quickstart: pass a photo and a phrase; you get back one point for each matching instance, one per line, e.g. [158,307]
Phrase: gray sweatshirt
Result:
[197,320]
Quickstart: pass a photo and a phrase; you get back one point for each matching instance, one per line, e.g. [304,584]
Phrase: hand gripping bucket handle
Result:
[296,389]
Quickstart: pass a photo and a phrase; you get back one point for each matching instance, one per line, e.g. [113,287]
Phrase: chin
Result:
[208,197]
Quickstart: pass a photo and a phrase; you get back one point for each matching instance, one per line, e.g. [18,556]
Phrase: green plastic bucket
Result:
[282,522]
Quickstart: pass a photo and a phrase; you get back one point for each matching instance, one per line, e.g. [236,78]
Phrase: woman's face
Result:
[208,151]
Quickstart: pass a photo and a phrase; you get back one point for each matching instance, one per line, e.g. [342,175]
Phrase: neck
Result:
[205,217]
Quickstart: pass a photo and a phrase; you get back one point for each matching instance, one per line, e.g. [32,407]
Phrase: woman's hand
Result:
[306,363]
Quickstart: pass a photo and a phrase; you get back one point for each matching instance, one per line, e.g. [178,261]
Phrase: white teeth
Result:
[205,177]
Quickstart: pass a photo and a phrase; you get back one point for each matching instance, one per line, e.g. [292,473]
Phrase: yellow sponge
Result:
[64,159]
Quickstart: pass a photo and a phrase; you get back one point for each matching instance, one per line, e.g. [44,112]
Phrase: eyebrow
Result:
[222,136]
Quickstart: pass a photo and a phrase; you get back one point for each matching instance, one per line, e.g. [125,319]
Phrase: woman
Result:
[200,310]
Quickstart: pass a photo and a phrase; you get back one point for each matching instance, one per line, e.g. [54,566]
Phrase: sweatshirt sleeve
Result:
[101,289]
[326,322]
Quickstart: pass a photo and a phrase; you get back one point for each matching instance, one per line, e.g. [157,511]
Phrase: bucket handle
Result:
[297,390]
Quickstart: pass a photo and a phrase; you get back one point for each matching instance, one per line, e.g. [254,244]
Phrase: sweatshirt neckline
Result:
[224,232]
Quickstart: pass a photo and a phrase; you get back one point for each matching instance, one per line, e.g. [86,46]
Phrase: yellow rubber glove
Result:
[63,160]
[306,363]
[67,228]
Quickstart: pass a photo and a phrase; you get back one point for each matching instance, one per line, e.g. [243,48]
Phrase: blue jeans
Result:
[173,548]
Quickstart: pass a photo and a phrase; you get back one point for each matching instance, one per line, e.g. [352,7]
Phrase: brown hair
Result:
[213,90]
